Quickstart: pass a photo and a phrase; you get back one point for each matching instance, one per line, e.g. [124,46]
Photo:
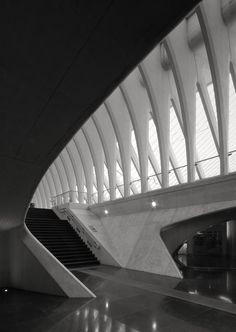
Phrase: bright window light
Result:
[205,144]
[177,143]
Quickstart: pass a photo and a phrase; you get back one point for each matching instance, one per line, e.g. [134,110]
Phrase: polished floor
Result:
[127,301]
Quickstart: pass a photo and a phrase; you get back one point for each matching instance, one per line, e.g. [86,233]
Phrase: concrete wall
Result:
[41,103]
[33,267]
[133,227]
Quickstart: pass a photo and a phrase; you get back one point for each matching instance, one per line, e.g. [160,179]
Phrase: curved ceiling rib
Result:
[97,154]
[46,191]
[219,64]
[107,137]
[156,81]
[56,178]
[78,170]
[121,122]
[185,83]
[87,162]
[50,183]
[184,92]
[139,113]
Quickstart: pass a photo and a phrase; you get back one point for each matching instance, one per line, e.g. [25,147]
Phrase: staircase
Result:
[59,238]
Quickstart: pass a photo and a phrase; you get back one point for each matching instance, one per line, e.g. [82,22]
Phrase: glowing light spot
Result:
[154,204]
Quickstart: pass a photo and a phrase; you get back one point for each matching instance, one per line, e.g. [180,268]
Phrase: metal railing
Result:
[81,230]
[210,166]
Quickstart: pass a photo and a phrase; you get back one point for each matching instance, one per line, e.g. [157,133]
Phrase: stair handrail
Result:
[79,228]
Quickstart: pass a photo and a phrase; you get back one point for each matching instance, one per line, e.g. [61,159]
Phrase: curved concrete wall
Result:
[177,233]
[133,228]
[58,62]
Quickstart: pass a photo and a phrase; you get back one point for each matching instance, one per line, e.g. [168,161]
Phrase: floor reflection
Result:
[219,285]
[123,304]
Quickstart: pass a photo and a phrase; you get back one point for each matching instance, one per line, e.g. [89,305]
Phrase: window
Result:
[205,145]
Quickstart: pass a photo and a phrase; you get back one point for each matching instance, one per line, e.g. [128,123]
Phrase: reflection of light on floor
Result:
[109,324]
[95,314]
[107,304]
[224,298]
[195,292]
[122,328]
[154,326]
[105,318]
[86,312]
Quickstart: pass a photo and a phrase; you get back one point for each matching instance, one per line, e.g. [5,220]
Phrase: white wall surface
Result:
[131,230]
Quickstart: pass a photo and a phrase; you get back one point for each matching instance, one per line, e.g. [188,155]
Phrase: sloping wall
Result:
[133,227]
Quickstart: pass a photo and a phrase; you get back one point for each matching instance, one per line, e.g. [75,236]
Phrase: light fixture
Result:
[107,304]
[5,290]
[154,204]
[106,212]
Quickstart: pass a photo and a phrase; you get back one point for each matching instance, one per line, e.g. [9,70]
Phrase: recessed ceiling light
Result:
[106,211]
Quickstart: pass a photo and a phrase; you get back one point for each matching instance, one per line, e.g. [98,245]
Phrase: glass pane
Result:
[153,182]
[177,142]
[204,141]
[173,181]
[211,92]
[106,194]
[154,143]
[211,166]
[94,176]
[118,193]
[94,195]
[232,126]
[135,179]
[134,145]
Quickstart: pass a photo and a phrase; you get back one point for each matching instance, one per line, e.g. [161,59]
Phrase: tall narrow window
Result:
[154,143]
[119,181]
[211,92]
[135,179]
[178,146]
[173,181]
[95,194]
[94,176]
[206,150]
[106,193]
[118,193]
[85,195]
[153,182]
[135,149]
[232,126]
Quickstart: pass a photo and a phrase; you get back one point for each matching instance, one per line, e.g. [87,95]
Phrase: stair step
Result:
[54,236]
[59,238]
[76,255]
[75,259]
[64,247]
[77,265]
